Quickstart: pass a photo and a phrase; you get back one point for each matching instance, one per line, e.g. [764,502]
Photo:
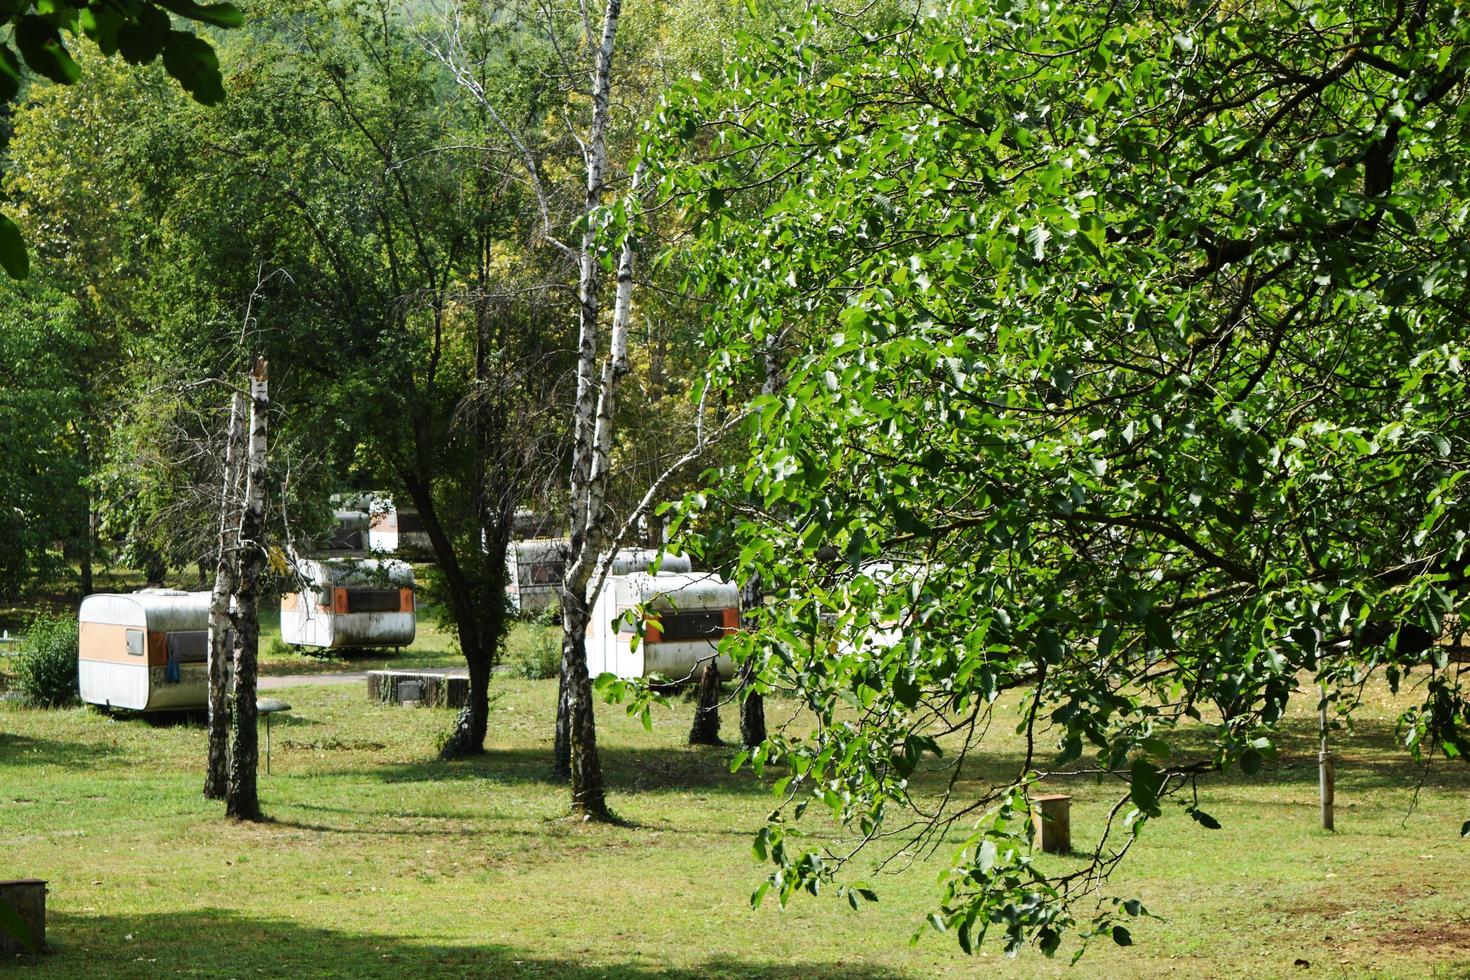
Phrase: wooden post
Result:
[1052,818]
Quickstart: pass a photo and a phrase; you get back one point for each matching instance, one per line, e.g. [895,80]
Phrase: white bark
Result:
[589,293]
[219,601]
[241,801]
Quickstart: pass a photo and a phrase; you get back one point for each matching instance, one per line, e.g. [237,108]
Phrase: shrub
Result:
[46,666]
[539,658]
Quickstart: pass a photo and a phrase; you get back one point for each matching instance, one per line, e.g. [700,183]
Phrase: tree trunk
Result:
[752,703]
[89,525]
[575,748]
[241,800]
[752,710]
[706,727]
[216,773]
[561,749]
[588,798]
[468,735]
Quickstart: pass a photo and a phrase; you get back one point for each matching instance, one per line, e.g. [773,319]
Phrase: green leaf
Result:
[193,62]
[102,24]
[217,14]
[1465,829]
[9,74]
[1122,936]
[1250,762]
[1145,781]
[140,42]
[13,256]
[40,45]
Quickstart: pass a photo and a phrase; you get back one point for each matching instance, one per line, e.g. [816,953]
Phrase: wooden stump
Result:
[1052,818]
[435,689]
[28,897]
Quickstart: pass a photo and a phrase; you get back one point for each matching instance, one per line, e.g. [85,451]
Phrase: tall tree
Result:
[216,773]
[1126,377]
[241,799]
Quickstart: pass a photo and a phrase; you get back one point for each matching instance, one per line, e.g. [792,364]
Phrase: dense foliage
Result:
[1124,353]
[45,669]
[139,30]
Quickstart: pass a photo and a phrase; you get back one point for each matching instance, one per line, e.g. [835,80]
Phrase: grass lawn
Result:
[380,862]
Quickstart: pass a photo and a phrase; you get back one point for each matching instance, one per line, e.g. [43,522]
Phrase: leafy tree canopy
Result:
[1124,355]
[139,30]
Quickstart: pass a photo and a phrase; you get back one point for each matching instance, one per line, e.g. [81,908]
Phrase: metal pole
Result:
[1324,765]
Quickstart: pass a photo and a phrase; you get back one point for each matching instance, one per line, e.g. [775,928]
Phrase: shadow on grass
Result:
[624,770]
[215,942]
[24,750]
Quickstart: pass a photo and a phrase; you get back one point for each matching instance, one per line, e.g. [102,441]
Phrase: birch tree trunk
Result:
[575,750]
[241,801]
[575,711]
[216,776]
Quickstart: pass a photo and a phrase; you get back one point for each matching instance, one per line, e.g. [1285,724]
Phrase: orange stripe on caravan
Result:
[732,620]
[405,600]
[108,643]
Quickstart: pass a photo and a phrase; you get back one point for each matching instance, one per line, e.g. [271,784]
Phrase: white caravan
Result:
[349,602]
[693,612]
[144,651]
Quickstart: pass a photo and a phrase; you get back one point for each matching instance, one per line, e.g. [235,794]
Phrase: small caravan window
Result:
[703,625]
[136,643]
[409,522]
[548,573]
[372,600]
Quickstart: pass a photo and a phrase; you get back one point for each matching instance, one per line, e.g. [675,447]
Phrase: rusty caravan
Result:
[346,602]
[685,615]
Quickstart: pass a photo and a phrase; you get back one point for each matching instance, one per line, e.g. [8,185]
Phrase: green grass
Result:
[381,862]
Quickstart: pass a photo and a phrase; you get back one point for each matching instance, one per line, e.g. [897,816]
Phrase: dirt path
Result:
[302,680]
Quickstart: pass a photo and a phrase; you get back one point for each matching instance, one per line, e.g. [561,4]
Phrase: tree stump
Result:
[1052,818]
[706,727]
[436,689]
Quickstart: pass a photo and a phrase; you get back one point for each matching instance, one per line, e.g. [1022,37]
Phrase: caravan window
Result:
[702,625]
[136,643]
[548,573]
[409,522]
[188,646]
[372,600]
